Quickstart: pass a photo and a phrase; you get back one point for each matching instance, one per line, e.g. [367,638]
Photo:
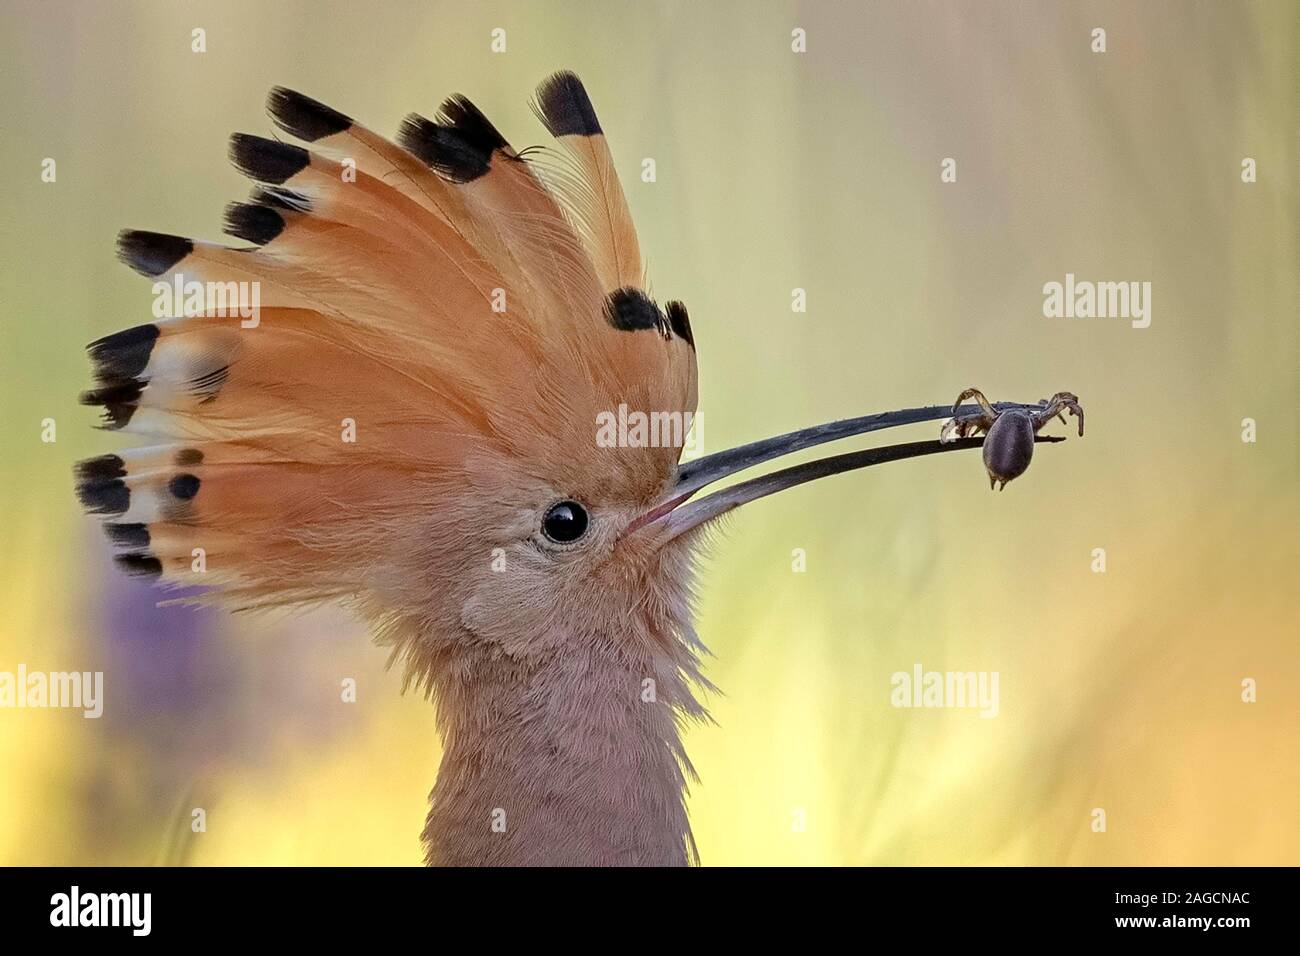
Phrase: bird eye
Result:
[565,522]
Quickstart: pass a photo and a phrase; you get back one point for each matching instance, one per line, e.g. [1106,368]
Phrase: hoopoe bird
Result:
[408,424]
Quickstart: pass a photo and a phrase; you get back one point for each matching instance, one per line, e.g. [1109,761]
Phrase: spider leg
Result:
[1059,403]
[955,427]
[989,411]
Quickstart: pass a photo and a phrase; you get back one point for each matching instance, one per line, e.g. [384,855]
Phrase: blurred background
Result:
[776,170]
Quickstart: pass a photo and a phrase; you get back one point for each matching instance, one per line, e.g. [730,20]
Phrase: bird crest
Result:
[440,325]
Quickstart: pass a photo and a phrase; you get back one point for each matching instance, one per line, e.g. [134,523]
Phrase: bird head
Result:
[432,385]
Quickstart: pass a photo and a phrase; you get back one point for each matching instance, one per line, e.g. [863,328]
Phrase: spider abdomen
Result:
[1009,446]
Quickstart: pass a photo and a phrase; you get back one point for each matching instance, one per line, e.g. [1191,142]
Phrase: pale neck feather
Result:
[562,762]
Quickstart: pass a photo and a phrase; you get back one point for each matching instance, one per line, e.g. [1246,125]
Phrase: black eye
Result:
[565,522]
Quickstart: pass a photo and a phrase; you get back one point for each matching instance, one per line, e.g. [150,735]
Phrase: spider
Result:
[1010,442]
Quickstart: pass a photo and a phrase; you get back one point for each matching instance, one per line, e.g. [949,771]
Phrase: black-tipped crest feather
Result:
[119,401]
[139,565]
[123,355]
[277,198]
[631,310]
[151,253]
[564,106]
[253,222]
[132,535]
[679,321]
[591,185]
[304,117]
[267,160]
[459,145]
[100,487]
[101,468]
[460,114]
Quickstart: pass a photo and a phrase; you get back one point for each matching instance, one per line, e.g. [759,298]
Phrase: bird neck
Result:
[571,760]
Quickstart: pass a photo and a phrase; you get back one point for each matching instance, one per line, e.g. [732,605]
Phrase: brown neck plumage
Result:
[572,760]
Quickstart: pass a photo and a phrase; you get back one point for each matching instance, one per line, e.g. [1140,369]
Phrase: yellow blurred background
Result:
[776,170]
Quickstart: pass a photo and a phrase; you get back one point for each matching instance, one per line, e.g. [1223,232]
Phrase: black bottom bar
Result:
[306,905]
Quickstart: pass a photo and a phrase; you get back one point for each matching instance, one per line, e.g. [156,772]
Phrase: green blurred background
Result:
[775,171]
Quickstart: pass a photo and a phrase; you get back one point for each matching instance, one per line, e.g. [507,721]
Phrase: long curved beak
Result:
[678,514]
